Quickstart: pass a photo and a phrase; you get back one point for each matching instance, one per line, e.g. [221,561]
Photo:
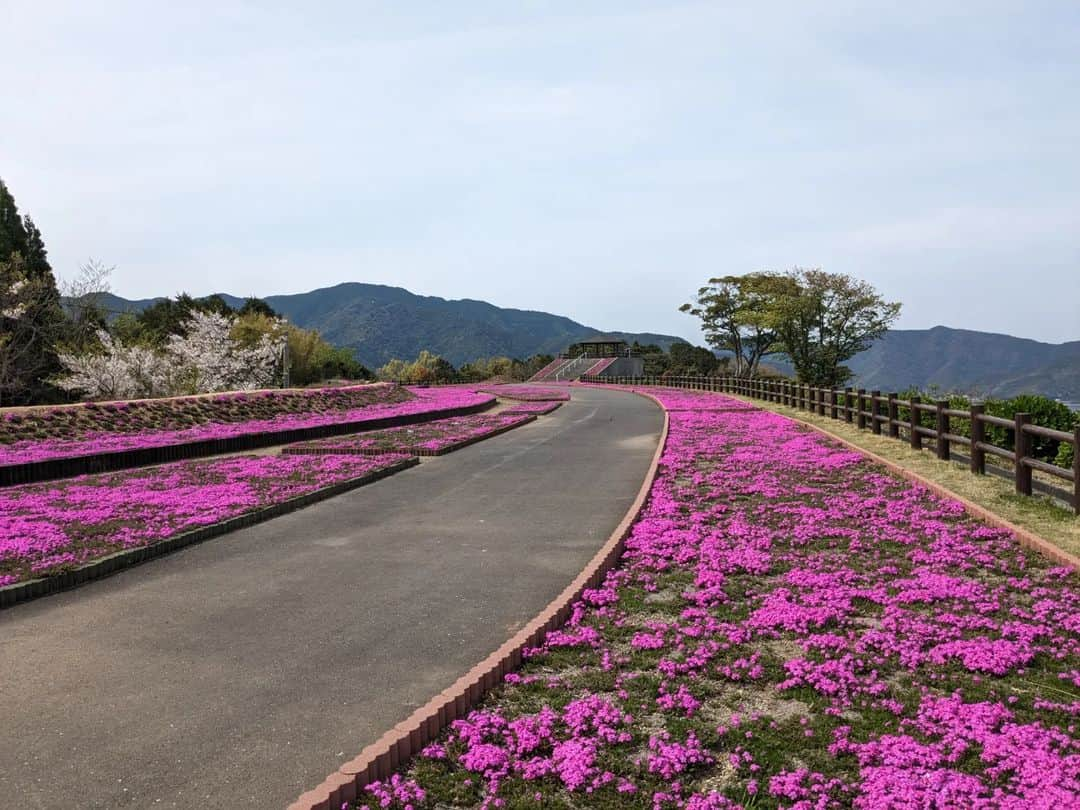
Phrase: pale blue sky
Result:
[595,159]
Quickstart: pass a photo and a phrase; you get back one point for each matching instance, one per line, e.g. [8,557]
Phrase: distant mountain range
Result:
[379,323]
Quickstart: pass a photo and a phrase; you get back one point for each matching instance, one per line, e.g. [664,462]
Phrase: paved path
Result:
[240,672]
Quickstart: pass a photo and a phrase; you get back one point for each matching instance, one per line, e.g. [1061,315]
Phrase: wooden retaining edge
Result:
[97,569]
[67,467]
[412,451]
[378,761]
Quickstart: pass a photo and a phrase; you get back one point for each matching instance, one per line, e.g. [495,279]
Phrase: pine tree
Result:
[28,365]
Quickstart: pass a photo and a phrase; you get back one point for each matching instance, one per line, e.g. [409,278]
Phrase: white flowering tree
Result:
[209,359]
[116,371]
[204,358]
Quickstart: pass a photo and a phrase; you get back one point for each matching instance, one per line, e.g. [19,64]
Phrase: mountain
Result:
[963,360]
[379,323]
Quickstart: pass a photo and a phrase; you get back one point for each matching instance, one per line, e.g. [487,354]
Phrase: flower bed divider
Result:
[378,761]
[51,469]
[539,407]
[415,450]
[103,566]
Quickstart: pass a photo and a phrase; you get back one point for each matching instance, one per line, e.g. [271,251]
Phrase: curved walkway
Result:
[239,672]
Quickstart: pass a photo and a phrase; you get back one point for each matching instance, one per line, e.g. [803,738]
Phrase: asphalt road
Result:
[241,671]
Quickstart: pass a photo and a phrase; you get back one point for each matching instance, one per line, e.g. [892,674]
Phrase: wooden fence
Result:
[931,424]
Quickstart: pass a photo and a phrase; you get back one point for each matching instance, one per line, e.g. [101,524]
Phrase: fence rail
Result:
[924,425]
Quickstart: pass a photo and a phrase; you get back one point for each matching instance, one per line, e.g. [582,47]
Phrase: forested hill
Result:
[380,323]
[975,362]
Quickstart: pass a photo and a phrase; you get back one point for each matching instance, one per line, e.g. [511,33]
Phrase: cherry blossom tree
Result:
[203,358]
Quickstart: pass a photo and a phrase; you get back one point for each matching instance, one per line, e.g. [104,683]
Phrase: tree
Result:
[823,319]
[29,328]
[114,370]
[311,358]
[30,339]
[734,313]
[164,318]
[84,303]
[203,357]
[208,359]
[255,306]
[426,368]
[693,361]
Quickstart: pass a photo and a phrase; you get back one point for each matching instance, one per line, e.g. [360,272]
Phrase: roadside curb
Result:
[32,589]
[383,757]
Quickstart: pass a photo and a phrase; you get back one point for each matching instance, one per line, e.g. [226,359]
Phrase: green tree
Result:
[693,361]
[735,313]
[30,325]
[167,316]
[257,306]
[823,319]
[22,249]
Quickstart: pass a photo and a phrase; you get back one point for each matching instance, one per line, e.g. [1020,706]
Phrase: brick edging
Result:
[1025,537]
[382,758]
[69,466]
[117,561]
[412,451]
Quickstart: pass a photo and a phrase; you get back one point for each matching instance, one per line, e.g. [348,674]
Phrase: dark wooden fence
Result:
[930,425]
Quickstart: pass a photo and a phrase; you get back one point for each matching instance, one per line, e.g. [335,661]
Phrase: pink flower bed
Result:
[537,408]
[427,439]
[421,400]
[527,393]
[790,627]
[51,527]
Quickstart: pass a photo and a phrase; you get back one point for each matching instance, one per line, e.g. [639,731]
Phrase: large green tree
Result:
[32,328]
[822,319]
[735,317]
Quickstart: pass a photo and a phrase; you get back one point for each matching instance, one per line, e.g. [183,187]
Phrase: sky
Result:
[600,160]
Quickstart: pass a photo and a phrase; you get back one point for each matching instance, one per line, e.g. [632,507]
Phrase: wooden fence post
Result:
[978,433]
[1076,470]
[894,416]
[834,404]
[821,402]
[860,405]
[1021,450]
[849,413]
[942,429]
[875,412]
[914,421]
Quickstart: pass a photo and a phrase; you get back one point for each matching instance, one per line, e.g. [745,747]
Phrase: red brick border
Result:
[384,756]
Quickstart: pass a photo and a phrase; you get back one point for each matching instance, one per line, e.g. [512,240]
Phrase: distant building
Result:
[598,356]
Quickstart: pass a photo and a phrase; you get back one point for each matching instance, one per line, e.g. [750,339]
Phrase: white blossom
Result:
[202,359]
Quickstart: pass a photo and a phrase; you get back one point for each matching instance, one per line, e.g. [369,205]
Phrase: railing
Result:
[931,425]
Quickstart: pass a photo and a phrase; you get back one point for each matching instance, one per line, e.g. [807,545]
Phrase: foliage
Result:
[156,324]
[824,319]
[503,367]
[31,320]
[204,357]
[30,324]
[735,313]
[1044,411]
[427,368]
[84,306]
